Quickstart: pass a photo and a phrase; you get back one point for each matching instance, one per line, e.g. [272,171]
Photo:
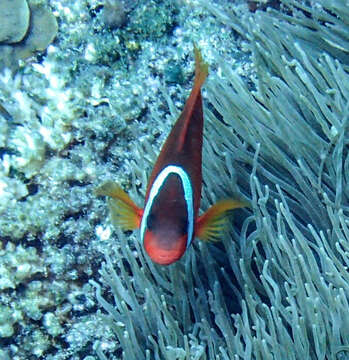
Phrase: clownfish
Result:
[170,218]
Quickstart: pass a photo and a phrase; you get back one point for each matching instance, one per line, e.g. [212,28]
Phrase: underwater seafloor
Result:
[89,90]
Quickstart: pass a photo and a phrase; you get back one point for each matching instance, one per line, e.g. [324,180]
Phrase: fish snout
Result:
[164,249]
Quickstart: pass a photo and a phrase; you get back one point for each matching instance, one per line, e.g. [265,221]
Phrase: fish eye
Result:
[150,221]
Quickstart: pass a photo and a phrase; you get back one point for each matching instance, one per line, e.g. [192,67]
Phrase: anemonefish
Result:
[170,218]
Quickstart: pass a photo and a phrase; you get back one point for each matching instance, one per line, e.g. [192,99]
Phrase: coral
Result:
[18,265]
[42,112]
[153,21]
[11,190]
[7,320]
[47,127]
[37,343]
[31,304]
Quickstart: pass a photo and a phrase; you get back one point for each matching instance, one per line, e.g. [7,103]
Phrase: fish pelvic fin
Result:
[211,224]
[201,68]
[124,212]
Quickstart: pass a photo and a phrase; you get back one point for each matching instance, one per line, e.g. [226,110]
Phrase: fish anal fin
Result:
[211,224]
[124,212]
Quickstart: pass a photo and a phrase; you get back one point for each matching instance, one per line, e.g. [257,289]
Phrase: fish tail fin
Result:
[124,212]
[210,225]
[201,68]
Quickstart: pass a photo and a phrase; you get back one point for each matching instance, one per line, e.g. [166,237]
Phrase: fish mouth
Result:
[164,254]
[164,257]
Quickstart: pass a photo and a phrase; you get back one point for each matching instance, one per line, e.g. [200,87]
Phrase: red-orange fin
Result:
[124,212]
[211,224]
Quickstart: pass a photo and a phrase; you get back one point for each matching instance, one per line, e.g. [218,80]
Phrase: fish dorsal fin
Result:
[201,69]
[201,72]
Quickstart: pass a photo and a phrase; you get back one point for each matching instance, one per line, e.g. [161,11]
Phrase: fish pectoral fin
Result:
[124,212]
[210,225]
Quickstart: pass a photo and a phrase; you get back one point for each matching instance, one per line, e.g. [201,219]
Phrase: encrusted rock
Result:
[43,29]
[40,31]
[114,14]
[14,20]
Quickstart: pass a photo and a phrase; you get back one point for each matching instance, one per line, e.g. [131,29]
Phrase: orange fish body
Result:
[169,221]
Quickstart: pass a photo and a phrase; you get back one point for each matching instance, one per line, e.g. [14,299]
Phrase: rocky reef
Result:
[94,100]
